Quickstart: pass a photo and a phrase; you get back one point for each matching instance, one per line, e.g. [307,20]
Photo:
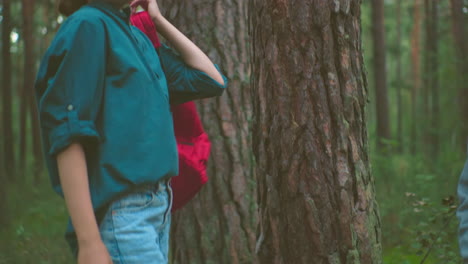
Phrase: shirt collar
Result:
[122,12]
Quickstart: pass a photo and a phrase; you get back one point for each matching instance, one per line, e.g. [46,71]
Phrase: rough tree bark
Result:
[461,45]
[380,75]
[316,192]
[218,226]
[8,137]
[28,88]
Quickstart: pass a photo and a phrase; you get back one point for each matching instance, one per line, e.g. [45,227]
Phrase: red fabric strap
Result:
[192,141]
[143,21]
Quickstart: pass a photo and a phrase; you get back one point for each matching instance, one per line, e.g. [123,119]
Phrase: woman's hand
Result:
[149,5]
[93,253]
[190,53]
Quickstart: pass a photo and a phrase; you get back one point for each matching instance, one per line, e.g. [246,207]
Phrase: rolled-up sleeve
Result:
[462,213]
[70,84]
[186,83]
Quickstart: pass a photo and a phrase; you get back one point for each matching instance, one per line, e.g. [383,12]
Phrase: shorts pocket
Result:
[134,202]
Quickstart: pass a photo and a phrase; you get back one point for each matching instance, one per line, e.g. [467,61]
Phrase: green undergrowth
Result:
[35,233]
[417,199]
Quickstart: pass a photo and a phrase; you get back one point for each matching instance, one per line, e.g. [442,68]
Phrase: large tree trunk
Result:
[29,76]
[380,75]
[8,155]
[8,137]
[316,192]
[461,45]
[218,226]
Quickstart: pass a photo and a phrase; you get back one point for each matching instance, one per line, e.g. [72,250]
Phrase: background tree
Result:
[416,73]
[380,75]
[28,87]
[7,104]
[430,89]
[219,225]
[399,80]
[316,192]
[8,162]
[461,47]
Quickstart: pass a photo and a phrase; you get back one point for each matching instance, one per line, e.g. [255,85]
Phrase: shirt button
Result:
[70,107]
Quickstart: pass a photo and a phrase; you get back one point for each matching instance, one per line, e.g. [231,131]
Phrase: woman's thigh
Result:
[136,227]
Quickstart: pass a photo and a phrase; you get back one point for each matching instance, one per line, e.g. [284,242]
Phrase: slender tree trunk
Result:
[316,192]
[8,137]
[24,105]
[434,80]
[7,172]
[29,75]
[428,118]
[378,35]
[23,110]
[430,91]
[399,81]
[425,112]
[218,226]
[461,46]
[416,71]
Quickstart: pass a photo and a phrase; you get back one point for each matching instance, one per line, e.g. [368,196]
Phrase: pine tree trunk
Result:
[378,35]
[29,76]
[316,192]
[399,81]
[425,110]
[7,96]
[430,90]
[7,170]
[23,142]
[434,80]
[461,46]
[416,71]
[218,226]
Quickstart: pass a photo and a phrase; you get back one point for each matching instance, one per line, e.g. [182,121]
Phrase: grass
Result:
[36,232]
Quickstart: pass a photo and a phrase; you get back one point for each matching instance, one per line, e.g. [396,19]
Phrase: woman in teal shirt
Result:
[104,96]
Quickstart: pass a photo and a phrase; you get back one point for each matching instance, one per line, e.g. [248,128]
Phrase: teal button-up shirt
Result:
[103,84]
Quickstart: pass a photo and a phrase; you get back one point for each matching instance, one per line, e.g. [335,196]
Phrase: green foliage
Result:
[417,207]
[36,232]
[416,192]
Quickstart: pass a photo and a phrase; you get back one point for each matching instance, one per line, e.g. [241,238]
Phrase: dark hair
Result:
[68,7]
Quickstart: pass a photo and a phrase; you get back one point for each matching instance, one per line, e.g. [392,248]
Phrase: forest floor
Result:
[36,231]
[411,224]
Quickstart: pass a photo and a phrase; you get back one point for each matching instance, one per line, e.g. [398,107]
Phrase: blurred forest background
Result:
[416,54]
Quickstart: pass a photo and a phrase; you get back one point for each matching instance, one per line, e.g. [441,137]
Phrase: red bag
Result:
[192,141]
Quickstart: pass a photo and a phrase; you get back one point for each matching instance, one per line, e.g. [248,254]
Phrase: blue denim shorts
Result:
[136,227]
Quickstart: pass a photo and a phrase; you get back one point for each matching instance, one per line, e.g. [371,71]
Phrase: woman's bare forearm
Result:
[74,181]
[190,53]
